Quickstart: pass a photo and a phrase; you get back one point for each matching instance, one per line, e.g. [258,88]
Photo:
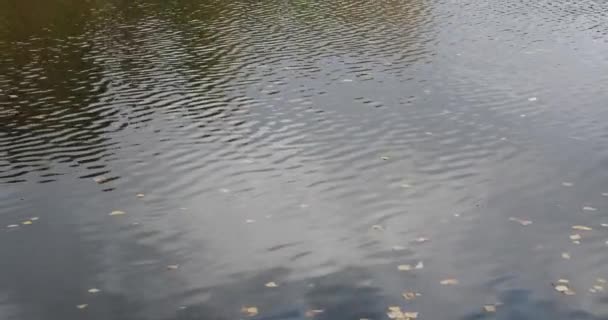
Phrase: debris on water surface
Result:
[271,284]
[100,179]
[82,306]
[575,236]
[605,225]
[384,158]
[94,290]
[377,227]
[397,248]
[27,222]
[566,255]
[249,221]
[173,267]
[421,240]
[521,221]
[449,281]
[117,213]
[600,280]
[582,228]
[347,80]
[12,226]
[405,185]
[140,195]
[396,313]
[532,99]
[410,295]
[404,267]
[250,311]
[489,308]
[224,190]
[562,288]
[313,313]
[419,265]
[567,184]
[563,281]
[605,194]
[588,208]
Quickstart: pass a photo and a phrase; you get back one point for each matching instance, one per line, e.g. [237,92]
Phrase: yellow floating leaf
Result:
[173,267]
[404,267]
[450,281]
[250,311]
[26,222]
[575,236]
[117,213]
[271,284]
[410,315]
[82,306]
[521,221]
[94,290]
[583,228]
[489,308]
[566,255]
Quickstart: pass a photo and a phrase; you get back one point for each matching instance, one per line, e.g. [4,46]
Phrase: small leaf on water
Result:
[598,287]
[489,308]
[563,281]
[26,222]
[588,208]
[405,185]
[421,240]
[576,242]
[592,290]
[410,295]
[384,158]
[100,179]
[605,225]
[94,290]
[117,213]
[398,248]
[583,228]
[140,195]
[601,280]
[404,267]
[271,284]
[82,306]
[410,315]
[567,184]
[605,194]
[566,255]
[575,236]
[34,218]
[173,267]
[561,288]
[250,311]
[377,227]
[12,226]
[450,281]
[532,99]
[521,221]
[419,265]
[313,312]
[249,221]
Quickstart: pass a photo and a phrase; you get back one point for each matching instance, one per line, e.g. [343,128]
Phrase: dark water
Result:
[314,144]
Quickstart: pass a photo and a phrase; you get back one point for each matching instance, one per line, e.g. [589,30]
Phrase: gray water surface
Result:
[291,156]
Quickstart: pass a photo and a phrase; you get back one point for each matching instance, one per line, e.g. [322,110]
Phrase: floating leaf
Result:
[605,194]
[411,315]
[404,267]
[249,221]
[605,225]
[410,295]
[12,226]
[419,265]
[140,195]
[566,255]
[173,267]
[94,290]
[250,311]
[82,306]
[563,281]
[313,312]
[27,222]
[601,280]
[598,287]
[449,281]
[489,308]
[587,208]
[583,228]
[532,99]
[562,287]
[34,218]
[575,236]
[100,179]
[117,213]
[521,221]
[271,284]
[567,184]
[398,248]
[377,227]
[384,158]
[421,240]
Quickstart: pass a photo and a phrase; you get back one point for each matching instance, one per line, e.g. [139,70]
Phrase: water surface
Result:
[316,145]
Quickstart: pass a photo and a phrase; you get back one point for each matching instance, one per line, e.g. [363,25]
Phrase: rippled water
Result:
[294,155]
